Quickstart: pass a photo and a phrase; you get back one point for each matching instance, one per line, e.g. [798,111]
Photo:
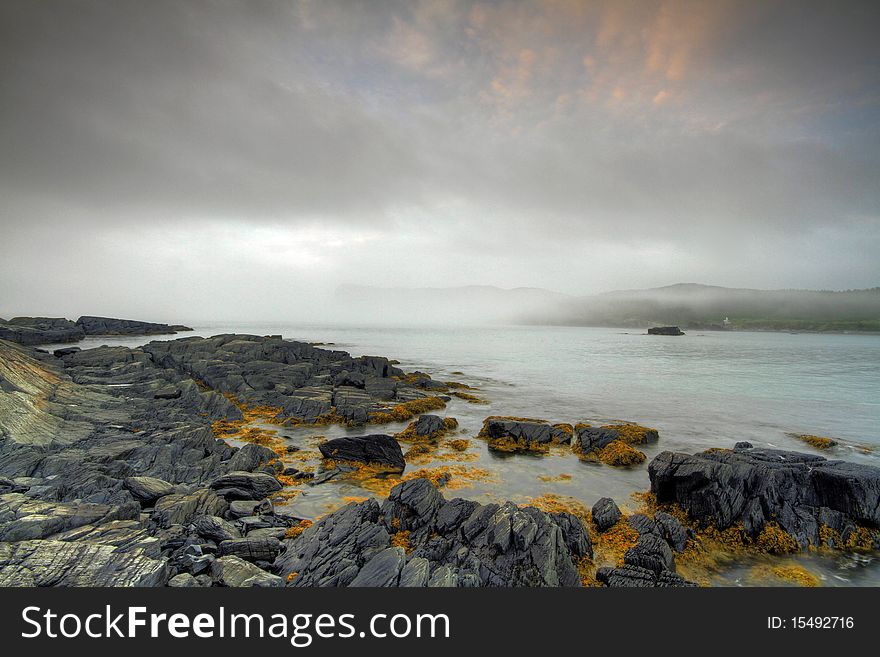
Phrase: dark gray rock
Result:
[241,485]
[147,489]
[60,563]
[672,531]
[214,528]
[234,571]
[252,549]
[40,330]
[183,508]
[375,448]
[796,490]
[383,570]
[605,514]
[743,444]
[665,330]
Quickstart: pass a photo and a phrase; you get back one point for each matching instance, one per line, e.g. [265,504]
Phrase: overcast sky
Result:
[198,160]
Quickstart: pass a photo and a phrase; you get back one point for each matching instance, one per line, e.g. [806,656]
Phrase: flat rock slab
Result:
[57,563]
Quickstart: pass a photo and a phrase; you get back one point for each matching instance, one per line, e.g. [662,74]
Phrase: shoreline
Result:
[185,387]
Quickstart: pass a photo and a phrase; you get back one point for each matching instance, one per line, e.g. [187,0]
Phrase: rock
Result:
[66,351]
[793,489]
[651,552]
[252,549]
[463,543]
[40,330]
[233,571]
[242,508]
[250,457]
[507,434]
[415,573]
[412,504]
[241,485]
[147,490]
[58,563]
[214,528]
[23,518]
[382,570]
[183,581]
[665,330]
[671,530]
[605,513]
[636,576]
[591,439]
[111,326]
[743,445]
[376,448]
[168,392]
[183,508]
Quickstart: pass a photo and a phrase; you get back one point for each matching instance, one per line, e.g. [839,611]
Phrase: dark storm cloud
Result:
[475,140]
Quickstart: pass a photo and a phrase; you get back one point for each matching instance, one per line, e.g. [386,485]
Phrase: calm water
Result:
[705,389]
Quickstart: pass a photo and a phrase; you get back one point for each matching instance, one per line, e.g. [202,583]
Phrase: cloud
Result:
[468,141]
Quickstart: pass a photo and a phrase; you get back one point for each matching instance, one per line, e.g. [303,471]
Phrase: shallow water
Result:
[705,389]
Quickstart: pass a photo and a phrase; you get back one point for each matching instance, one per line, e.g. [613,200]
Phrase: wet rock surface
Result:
[803,493]
[451,543]
[111,474]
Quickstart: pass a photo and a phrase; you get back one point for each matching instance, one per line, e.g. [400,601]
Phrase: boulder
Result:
[605,514]
[241,485]
[375,448]
[800,492]
[665,330]
[233,571]
[252,549]
[147,490]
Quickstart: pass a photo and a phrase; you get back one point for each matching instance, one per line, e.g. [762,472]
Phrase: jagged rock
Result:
[124,535]
[636,576]
[412,504]
[214,528]
[147,489]
[183,508]
[590,439]
[671,530]
[59,563]
[375,448]
[382,570]
[754,486]
[514,435]
[463,543]
[415,573]
[23,518]
[233,571]
[183,580]
[252,549]
[743,444]
[65,351]
[250,457]
[241,485]
[605,514]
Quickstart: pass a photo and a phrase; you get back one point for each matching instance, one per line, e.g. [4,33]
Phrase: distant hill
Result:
[695,306]
[688,305]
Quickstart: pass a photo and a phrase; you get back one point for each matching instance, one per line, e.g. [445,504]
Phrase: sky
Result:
[219,160]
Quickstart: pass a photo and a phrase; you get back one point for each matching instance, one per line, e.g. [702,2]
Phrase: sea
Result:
[704,389]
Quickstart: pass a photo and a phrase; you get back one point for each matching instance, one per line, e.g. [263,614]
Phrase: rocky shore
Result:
[50,330]
[114,471]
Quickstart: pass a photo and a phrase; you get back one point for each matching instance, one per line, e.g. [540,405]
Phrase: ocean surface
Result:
[704,389]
